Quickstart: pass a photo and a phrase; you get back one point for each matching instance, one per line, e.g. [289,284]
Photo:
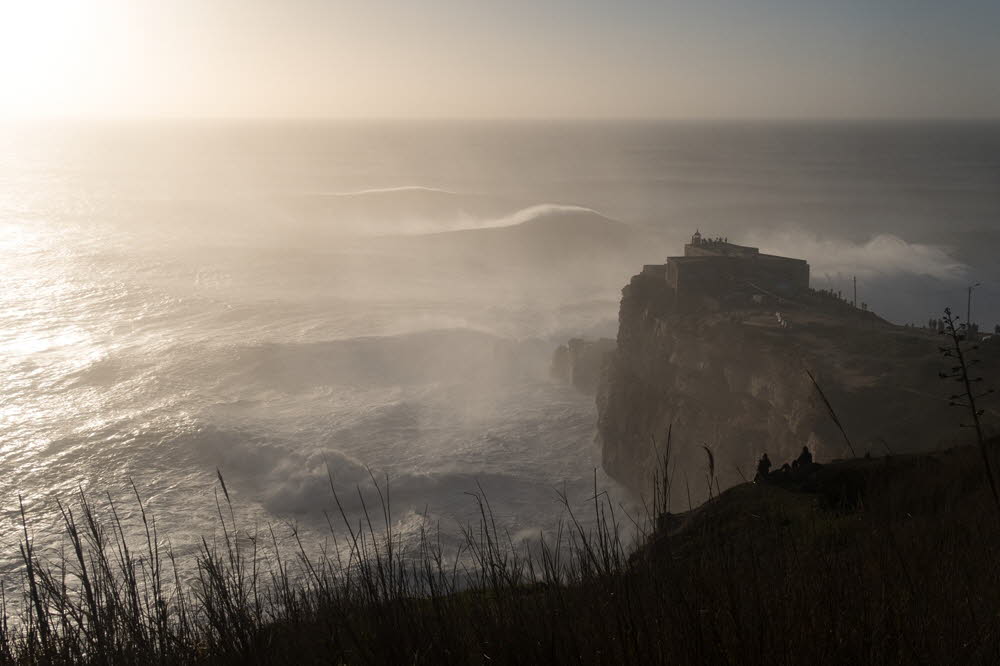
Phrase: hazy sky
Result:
[511,58]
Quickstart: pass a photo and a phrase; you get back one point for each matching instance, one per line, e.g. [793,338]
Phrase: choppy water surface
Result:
[278,300]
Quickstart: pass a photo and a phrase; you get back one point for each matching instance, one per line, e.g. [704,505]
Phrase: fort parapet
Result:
[722,271]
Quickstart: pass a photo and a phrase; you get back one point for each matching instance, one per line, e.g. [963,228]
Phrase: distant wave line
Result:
[389,190]
[540,210]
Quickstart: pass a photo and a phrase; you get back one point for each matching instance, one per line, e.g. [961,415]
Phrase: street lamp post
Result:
[968,309]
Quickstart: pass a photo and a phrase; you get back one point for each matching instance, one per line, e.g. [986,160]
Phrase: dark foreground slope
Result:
[882,561]
[867,561]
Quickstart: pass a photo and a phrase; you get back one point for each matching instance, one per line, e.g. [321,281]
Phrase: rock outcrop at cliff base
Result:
[581,363]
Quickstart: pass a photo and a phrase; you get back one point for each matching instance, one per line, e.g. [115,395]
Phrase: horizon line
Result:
[102,119]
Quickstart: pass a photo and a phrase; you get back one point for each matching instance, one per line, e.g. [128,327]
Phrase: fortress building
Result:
[717,270]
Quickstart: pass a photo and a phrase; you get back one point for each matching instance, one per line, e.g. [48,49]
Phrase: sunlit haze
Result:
[511,331]
[453,59]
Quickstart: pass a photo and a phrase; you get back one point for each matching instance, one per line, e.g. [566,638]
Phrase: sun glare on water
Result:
[55,55]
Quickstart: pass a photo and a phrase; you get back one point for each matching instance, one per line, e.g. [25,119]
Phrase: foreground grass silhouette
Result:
[883,561]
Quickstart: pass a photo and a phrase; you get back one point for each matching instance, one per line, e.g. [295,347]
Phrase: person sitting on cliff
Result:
[804,460]
[763,468]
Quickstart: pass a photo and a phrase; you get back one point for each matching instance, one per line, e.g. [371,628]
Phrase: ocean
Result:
[295,303]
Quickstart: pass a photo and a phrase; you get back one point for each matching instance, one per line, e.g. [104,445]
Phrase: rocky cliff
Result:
[734,379]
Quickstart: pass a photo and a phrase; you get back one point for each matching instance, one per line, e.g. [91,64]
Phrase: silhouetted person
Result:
[763,467]
[805,458]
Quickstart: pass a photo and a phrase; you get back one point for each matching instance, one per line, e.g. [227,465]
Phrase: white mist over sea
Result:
[275,300]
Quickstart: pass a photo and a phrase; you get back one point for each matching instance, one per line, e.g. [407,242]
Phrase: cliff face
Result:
[734,379]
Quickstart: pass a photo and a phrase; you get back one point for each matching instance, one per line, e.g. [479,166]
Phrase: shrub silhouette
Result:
[960,351]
